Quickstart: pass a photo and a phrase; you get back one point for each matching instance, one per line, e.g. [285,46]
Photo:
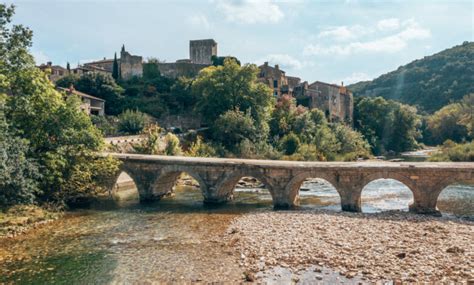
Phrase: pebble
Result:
[386,246]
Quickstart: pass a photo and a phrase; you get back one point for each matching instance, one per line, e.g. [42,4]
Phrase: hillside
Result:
[429,83]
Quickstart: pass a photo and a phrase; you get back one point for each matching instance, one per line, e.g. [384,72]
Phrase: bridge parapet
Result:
[155,177]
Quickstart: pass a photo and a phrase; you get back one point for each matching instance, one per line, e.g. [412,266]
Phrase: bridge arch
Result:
[293,187]
[168,177]
[456,198]
[385,175]
[227,185]
[391,175]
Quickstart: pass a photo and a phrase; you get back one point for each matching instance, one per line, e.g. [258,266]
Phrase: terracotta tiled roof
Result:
[78,93]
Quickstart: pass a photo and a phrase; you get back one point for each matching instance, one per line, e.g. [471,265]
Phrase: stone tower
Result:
[130,65]
[201,51]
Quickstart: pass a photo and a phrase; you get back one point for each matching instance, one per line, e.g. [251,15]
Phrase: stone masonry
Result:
[155,177]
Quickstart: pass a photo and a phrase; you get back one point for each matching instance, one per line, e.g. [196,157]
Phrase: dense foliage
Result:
[429,83]
[99,85]
[232,87]
[386,124]
[19,174]
[450,151]
[453,122]
[44,130]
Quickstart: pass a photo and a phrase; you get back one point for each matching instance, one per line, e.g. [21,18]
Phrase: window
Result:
[275,83]
[275,93]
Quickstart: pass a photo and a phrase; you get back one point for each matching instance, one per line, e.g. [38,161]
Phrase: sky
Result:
[331,41]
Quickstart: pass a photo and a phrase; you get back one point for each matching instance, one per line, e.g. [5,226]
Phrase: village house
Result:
[334,100]
[89,104]
[54,72]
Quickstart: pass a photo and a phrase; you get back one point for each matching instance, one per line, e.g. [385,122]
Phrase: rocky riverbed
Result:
[389,246]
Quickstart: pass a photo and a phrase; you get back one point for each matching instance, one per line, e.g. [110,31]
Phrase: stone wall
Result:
[192,121]
[177,69]
[201,51]
[130,65]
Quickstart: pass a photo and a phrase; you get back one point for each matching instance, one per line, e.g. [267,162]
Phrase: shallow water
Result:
[172,240]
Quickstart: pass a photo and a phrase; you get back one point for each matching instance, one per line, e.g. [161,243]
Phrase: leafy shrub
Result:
[201,149]
[107,125]
[289,144]
[132,122]
[151,140]
[451,151]
[172,145]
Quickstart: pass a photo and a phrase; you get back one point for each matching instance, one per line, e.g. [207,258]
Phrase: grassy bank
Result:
[18,219]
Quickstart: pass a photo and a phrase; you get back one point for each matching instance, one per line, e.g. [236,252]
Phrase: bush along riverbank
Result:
[18,219]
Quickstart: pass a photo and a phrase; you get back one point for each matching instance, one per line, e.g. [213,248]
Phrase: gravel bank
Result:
[373,247]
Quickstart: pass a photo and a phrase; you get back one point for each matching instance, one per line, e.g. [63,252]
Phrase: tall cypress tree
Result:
[115,68]
[68,67]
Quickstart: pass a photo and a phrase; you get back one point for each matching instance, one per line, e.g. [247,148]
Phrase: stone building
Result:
[54,72]
[89,104]
[82,69]
[335,101]
[102,65]
[275,78]
[129,65]
[202,51]
[200,57]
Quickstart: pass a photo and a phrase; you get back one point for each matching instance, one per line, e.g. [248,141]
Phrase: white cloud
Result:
[250,11]
[200,21]
[356,77]
[409,30]
[40,57]
[344,33]
[388,24]
[285,61]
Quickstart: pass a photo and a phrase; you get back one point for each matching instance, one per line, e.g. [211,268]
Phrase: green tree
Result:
[68,68]
[232,87]
[62,139]
[115,68]
[387,125]
[352,143]
[19,174]
[232,127]
[453,122]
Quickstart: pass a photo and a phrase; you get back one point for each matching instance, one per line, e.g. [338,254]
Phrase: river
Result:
[175,239]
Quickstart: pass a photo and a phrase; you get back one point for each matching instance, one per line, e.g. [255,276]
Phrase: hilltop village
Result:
[336,101]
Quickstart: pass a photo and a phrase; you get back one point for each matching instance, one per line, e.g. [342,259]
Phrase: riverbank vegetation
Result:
[451,151]
[48,145]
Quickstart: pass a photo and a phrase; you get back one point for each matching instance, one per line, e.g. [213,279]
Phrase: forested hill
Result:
[429,83]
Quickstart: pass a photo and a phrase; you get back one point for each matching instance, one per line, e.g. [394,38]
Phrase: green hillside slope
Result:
[429,83]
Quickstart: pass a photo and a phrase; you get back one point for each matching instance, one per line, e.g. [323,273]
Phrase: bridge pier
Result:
[425,198]
[213,196]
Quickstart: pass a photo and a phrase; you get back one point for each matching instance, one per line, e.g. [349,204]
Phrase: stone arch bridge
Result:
[156,175]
